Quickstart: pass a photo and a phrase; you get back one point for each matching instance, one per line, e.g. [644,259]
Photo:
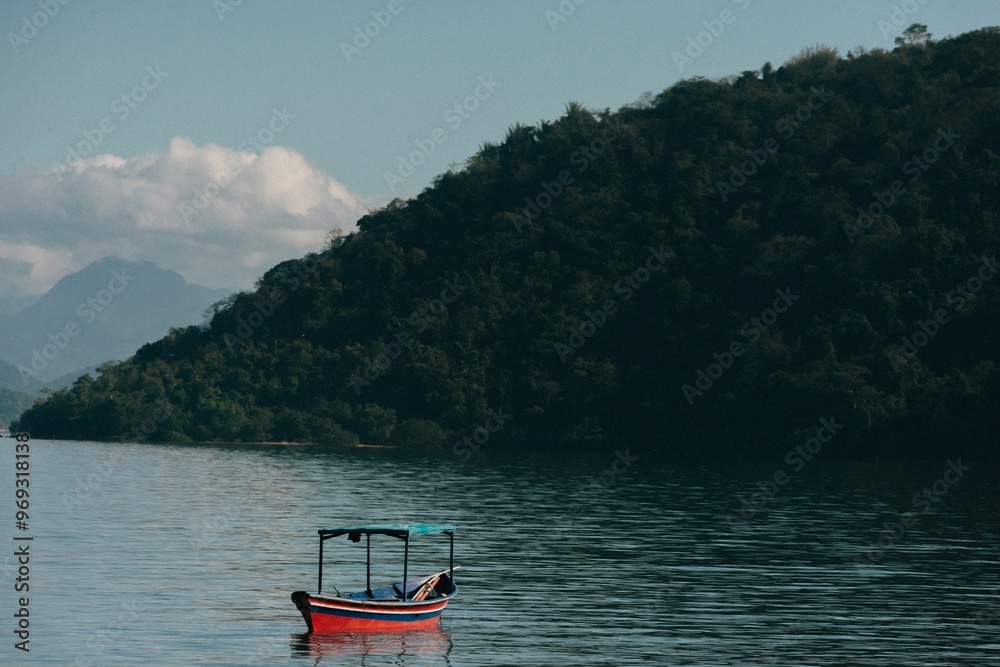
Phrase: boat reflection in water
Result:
[427,646]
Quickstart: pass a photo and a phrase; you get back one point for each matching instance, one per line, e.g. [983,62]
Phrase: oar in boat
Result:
[429,583]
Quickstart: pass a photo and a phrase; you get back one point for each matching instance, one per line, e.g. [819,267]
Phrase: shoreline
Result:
[234,443]
[285,443]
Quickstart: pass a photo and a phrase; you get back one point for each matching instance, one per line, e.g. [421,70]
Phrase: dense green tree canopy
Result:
[715,268]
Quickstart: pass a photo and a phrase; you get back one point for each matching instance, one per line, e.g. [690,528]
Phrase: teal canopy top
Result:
[402,531]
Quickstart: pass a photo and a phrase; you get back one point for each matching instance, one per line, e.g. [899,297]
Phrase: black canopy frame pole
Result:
[319,586]
[368,567]
[406,560]
[451,558]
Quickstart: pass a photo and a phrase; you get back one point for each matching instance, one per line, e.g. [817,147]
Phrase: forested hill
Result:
[726,266]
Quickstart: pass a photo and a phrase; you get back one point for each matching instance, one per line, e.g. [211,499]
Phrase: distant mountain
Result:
[11,379]
[106,311]
[10,306]
[12,404]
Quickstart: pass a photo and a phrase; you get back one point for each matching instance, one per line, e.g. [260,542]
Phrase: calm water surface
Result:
[165,555]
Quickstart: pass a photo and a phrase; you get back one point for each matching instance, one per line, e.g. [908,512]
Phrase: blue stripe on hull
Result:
[400,618]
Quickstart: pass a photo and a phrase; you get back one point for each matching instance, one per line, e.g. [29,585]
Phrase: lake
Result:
[182,555]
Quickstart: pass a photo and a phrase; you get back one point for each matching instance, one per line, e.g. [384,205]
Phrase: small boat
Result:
[409,604]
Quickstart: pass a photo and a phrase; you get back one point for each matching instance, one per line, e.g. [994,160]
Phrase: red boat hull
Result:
[328,615]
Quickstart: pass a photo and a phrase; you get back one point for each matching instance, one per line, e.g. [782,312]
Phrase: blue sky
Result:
[180,86]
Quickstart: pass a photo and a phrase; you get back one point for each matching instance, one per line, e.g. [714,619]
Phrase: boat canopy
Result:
[402,531]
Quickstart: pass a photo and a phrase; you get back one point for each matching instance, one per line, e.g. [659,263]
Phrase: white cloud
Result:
[218,216]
